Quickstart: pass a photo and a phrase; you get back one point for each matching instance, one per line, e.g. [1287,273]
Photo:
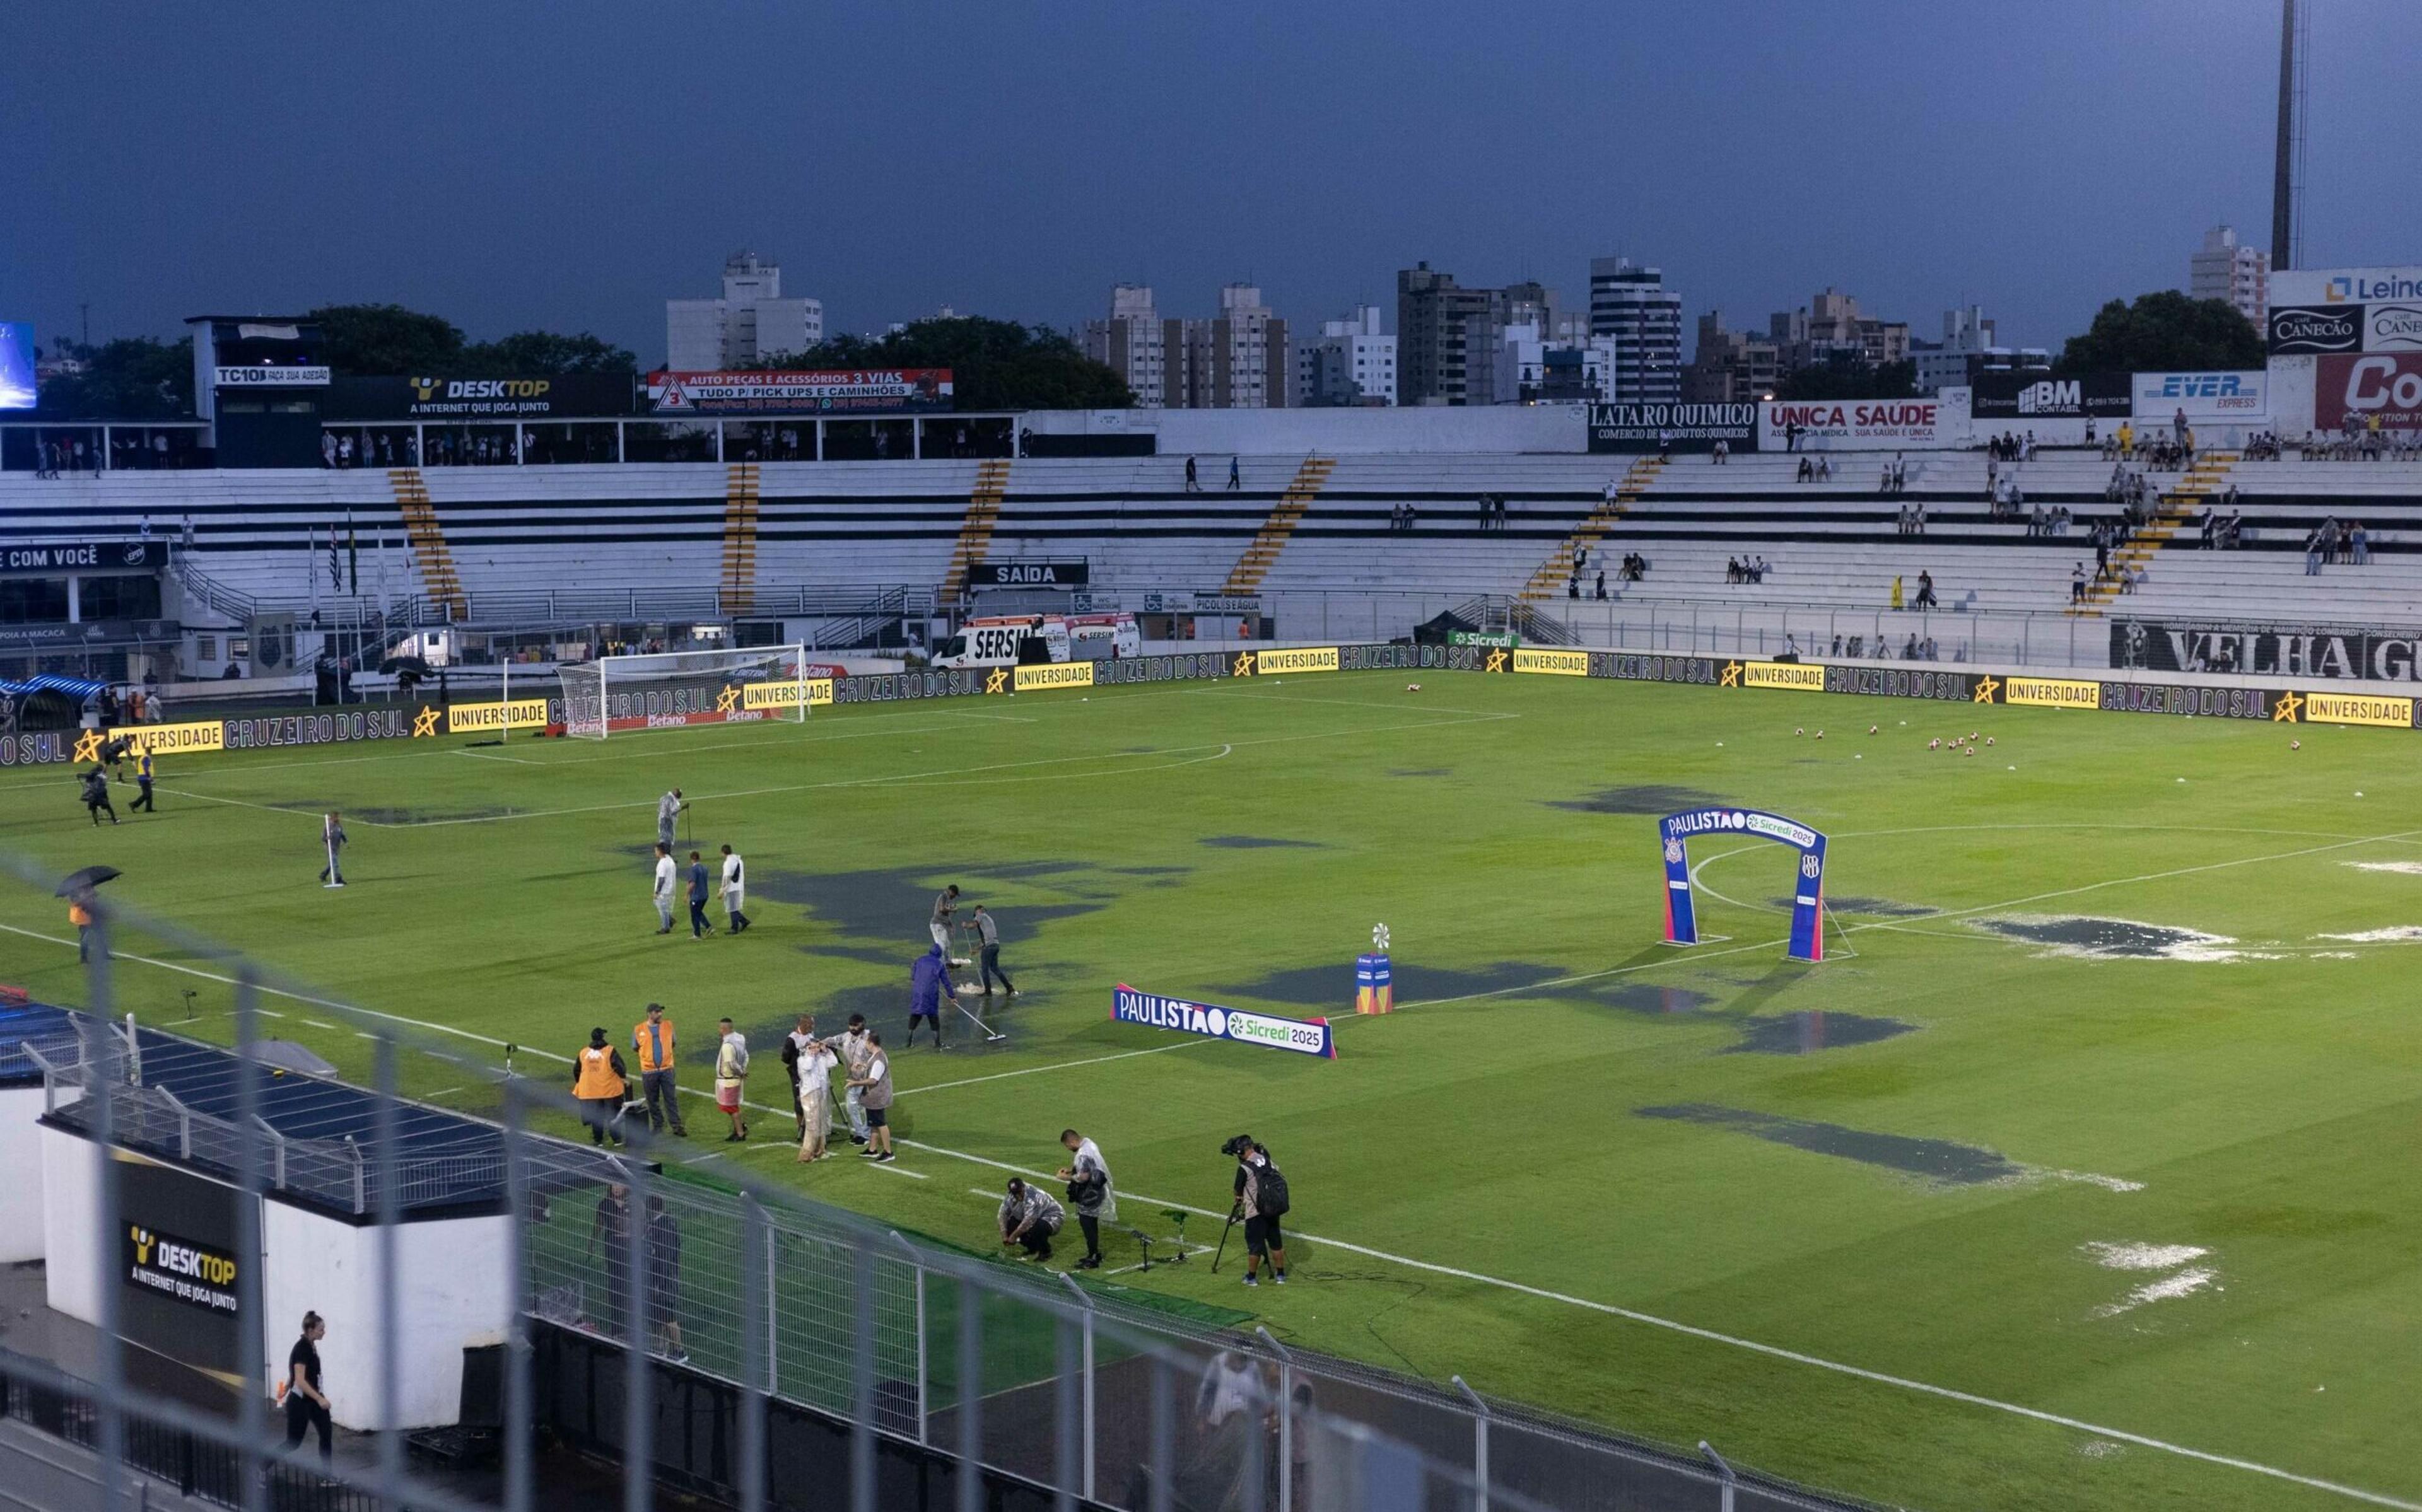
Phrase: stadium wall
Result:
[2344,702]
[20,1152]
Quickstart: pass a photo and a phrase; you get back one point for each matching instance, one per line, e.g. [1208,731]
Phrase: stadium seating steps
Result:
[841,524]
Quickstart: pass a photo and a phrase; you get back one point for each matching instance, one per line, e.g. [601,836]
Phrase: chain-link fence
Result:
[769,1327]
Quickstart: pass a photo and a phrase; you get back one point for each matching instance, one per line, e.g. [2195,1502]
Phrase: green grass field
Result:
[1904,1174]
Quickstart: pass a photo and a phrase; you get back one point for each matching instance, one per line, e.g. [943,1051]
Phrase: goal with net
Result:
[669,690]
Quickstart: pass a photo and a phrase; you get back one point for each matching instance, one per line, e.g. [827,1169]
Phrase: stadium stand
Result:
[467,541]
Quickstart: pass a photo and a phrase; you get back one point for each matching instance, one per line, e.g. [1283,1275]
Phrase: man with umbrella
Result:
[77,890]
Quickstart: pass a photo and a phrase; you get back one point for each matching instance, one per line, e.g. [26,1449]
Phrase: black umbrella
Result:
[417,667]
[85,880]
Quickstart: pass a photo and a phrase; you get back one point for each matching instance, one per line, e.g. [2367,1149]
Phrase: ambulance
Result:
[1009,640]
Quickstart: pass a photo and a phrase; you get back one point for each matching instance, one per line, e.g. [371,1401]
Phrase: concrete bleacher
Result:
[645,528]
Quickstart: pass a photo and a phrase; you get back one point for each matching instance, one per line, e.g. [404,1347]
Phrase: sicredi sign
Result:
[2222,396]
[2344,285]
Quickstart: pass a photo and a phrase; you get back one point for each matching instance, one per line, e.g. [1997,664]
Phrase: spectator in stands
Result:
[2077,583]
[1573,585]
[1925,590]
[1807,470]
[1731,569]
[1601,584]
[1791,436]
[2313,553]
[2358,543]
[1722,453]
[2090,430]
[1193,483]
[1824,470]
[1909,652]
[1235,480]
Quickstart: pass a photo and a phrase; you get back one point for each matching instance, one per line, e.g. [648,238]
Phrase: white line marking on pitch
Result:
[898,1170]
[491,755]
[1607,1309]
[1057,1065]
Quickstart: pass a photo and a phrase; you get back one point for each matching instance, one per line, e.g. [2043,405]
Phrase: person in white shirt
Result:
[1229,1385]
[730,1077]
[815,1067]
[1089,1188]
[855,1051]
[877,1081]
[665,871]
[735,891]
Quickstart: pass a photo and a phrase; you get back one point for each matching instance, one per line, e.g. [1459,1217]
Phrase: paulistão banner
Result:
[1305,1037]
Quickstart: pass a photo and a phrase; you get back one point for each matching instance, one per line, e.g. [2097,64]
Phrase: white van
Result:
[1006,640]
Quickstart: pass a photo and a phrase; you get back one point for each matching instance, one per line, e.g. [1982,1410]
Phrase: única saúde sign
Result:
[1305,1037]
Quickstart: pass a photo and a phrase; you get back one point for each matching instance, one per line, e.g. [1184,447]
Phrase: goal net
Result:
[671,690]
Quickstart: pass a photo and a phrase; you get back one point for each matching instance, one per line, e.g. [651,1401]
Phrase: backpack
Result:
[1270,1192]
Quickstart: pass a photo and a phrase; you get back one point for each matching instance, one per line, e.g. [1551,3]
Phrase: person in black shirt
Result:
[664,1277]
[307,1406]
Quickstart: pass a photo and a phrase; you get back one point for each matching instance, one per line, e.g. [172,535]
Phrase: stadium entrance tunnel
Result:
[1936,1160]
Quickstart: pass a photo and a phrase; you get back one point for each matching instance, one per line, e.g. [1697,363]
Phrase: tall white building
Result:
[1554,365]
[1236,360]
[1349,363]
[1966,338]
[2225,269]
[750,322]
[1136,344]
[1632,304]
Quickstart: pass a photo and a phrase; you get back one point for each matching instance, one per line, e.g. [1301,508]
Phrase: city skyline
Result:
[572,178]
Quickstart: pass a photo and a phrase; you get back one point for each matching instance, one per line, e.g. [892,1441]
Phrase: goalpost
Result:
[669,690]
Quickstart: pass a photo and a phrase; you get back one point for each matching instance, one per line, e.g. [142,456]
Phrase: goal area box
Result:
[673,690]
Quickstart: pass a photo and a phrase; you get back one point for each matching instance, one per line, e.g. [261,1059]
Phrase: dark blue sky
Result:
[572,165]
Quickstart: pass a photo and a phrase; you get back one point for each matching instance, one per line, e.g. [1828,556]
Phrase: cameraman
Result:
[1262,1198]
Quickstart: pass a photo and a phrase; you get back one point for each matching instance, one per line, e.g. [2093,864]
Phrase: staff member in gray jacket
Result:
[988,932]
[1029,1217]
[668,809]
[876,1099]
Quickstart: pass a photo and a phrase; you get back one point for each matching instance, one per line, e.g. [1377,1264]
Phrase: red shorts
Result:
[727,1096]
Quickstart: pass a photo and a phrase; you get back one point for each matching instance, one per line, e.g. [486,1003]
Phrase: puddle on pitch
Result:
[2094,939]
[407,817]
[880,915]
[1879,907]
[1939,1160]
[1653,1002]
[1332,987]
[1806,1032]
[1654,797]
[1256,842]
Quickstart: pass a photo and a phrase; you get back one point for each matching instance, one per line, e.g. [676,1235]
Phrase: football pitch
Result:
[2081,1173]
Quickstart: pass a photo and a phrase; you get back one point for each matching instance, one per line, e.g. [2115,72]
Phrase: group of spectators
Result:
[2011,448]
[2047,523]
[1917,648]
[1896,476]
[1492,511]
[1745,570]
[55,458]
[2217,530]
[1400,517]
[2343,545]
[1910,520]
[1818,469]
[2367,443]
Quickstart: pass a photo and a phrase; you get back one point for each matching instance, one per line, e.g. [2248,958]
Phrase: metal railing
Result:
[906,1348]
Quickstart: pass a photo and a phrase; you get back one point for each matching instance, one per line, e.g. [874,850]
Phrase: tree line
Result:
[996,365]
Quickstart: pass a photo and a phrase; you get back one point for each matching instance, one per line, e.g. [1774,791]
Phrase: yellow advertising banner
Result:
[160,739]
[1301,659]
[522,714]
[1553,663]
[2358,709]
[1797,677]
[2052,692]
[786,695]
[1054,674]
